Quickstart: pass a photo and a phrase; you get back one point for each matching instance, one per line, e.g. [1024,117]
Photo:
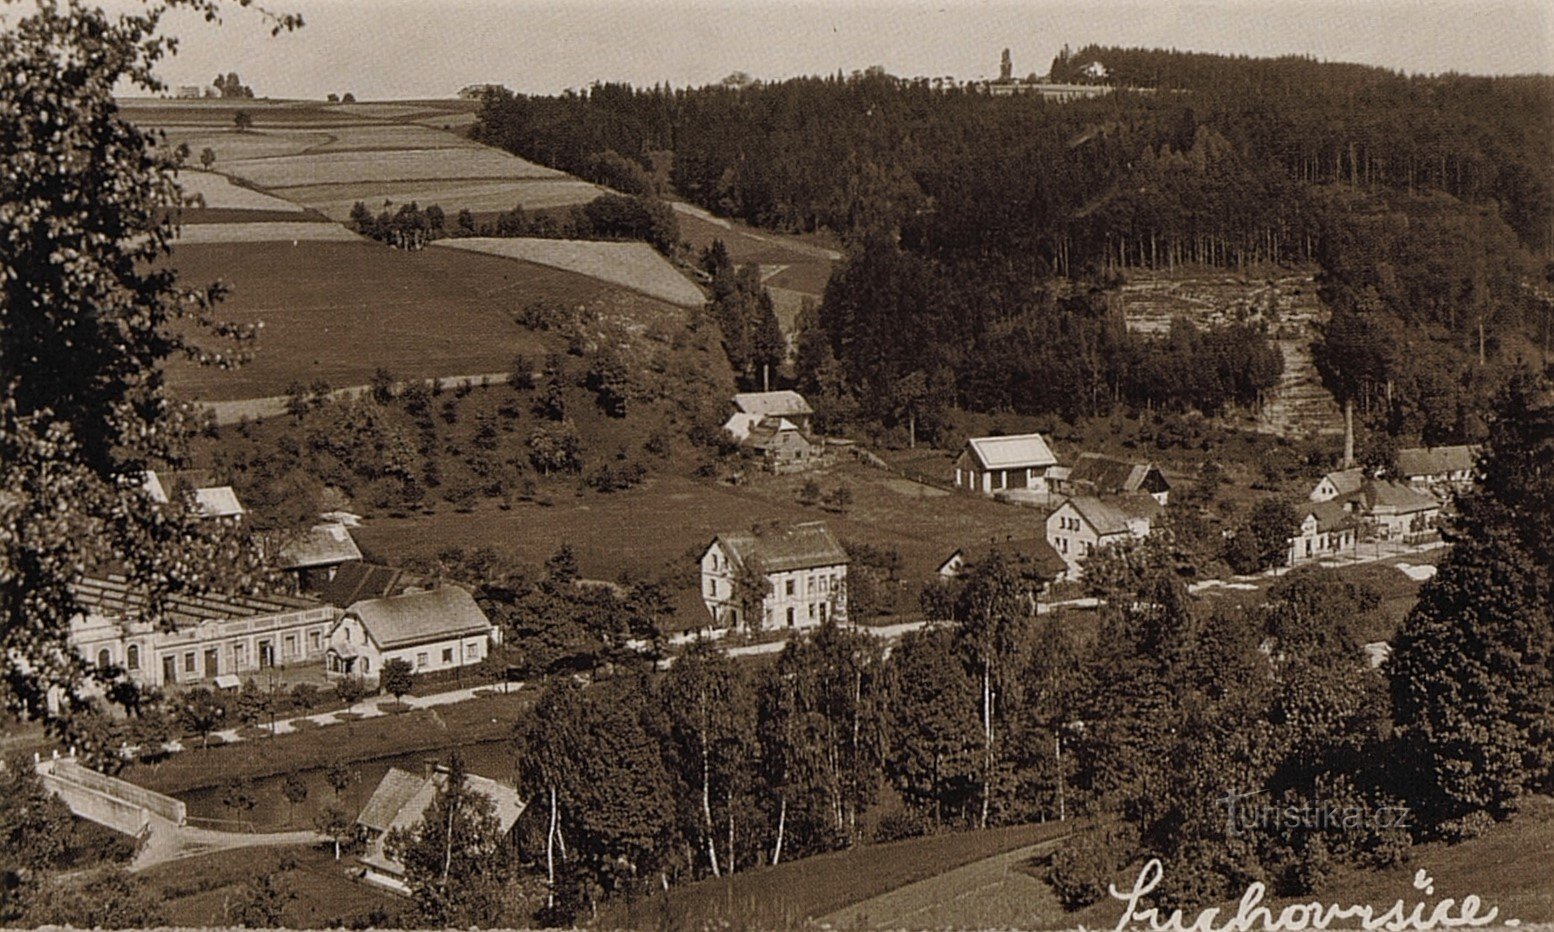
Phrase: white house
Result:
[1397,511]
[782,404]
[803,567]
[1081,525]
[433,629]
[400,802]
[1438,470]
[1339,485]
[1326,529]
[992,464]
[210,501]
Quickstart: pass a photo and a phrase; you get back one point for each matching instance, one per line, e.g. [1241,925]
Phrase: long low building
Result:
[209,637]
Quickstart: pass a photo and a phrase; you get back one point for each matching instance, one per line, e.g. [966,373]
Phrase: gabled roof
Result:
[739,424]
[356,581]
[1013,452]
[1346,481]
[394,791]
[1435,461]
[1111,515]
[776,550]
[1331,516]
[772,404]
[1111,476]
[420,617]
[112,597]
[402,798]
[768,429]
[322,545]
[212,501]
[1043,558]
[1399,497]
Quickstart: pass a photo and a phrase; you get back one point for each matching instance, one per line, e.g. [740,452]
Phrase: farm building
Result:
[212,636]
[1034,553]
[1096,475]
[783,404]
[1439,470]
[434,629]
[317,554]
[993,464]
[358,581]
[803,568]
[1326,529]
[782,445]
[400,801]
[1397,511]
[212,501]
[1084,523]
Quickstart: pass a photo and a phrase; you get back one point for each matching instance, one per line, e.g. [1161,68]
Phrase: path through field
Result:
[168,841]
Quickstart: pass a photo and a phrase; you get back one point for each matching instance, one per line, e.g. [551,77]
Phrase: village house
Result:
[1339,485]
[802,567]
[316,554]
[211,501]
[993,464]
[1397,511]
[434,629]
[781,444]
[215,636]
[1098,476]
[782,404]
[1437,470]
[1034,553]
[400,801]
[1326,529]
[1083,524]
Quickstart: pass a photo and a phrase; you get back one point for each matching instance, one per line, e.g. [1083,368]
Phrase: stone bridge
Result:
[159,822]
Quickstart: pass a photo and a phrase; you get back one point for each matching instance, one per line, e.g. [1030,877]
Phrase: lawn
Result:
[199,892]
[338,311]
[631,265]
[796,894]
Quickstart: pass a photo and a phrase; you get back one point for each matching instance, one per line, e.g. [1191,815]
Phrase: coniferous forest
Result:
[986,234]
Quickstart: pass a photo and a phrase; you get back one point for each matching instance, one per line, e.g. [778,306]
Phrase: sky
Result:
[385,49]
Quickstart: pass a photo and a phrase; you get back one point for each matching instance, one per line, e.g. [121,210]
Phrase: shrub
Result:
[1083,868]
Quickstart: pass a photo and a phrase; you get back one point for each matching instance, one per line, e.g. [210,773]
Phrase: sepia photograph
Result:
[683,465]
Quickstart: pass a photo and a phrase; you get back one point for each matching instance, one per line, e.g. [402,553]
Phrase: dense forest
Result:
[997,225]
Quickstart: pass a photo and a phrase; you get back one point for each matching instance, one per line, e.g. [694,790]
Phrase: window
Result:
[813,610]
[366,666]
[420,660]
[132,657]
[790,616]
[104,658]
[291,646]
[188,662]
[790,587]
[712,588]
[447,655]
[315,640]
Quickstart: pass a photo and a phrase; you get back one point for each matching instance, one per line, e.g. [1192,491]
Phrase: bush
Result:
[1083,868]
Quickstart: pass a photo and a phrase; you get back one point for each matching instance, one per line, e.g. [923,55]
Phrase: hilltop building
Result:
[802,568]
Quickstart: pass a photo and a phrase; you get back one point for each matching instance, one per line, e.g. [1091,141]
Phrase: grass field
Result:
[200,892]
[266,231]
[218,191]
[398,164]
[797,894]
[338,311]
[631,265]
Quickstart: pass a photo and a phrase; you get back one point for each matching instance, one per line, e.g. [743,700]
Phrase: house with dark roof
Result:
[1438,470]
[1397,511]
[801,568]
[433,629]
[1098,476]
[358,580]
[316,554]
[400,801]
[1034,553]
[1326,529]
[781,404]
[993,464]
[1084,523]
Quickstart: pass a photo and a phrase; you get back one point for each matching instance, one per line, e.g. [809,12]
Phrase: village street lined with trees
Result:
[957,293]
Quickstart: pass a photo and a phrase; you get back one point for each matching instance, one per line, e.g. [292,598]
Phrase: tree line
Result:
[606,217]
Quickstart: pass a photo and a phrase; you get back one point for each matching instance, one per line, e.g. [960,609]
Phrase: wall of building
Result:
[142,651]
[809,594]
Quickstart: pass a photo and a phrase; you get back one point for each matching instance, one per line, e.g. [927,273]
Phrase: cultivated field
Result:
[267,231]
[631,265]
[218,191]
[336,201]
[400,164]
[339,310]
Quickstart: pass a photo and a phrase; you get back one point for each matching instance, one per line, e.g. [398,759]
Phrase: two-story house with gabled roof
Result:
[1083,524]
[994,464]
[802,569]
[433,629]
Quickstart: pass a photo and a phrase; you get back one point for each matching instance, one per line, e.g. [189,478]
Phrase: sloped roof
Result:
[402,798]
[394,791]
[1013,452]
[1398,496]
[322,545]
[356,581]
[1112,514]
[768,429]
[1330,516]
[112,597]
[775,550]
[420,617]
[772,404]
[1347,481]
[1037,550]
[739,424]
[1109,475]
[1435,461]
[212,501]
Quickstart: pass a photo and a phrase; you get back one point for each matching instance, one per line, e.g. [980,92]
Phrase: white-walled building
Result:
[993,464]
[803,566]
[1438,470]
[400,802]
[434,629]
[1081,525]
[1326,529]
